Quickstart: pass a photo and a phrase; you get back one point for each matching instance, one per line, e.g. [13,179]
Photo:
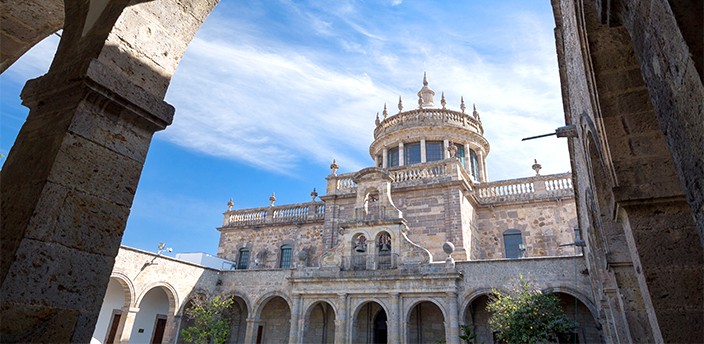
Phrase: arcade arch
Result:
[370,324]
[319,324]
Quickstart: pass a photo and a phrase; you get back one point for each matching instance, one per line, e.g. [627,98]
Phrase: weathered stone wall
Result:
[632,89]
[544,226]
[265,243]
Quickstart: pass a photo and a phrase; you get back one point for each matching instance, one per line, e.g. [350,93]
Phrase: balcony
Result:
[284,214]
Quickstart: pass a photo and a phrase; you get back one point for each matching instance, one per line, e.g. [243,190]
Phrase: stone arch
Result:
[319,322]
[257,305]
[473,313]
[115,307]
[273,318]
[577,295]
[369,322]
[425,320]
[127,285]
[238,314]
[168,289]
[581,310]
[156,304]
[110,74]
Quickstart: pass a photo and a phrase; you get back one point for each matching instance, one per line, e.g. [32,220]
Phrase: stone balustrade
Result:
[285,214]
[427,117]
[524,189]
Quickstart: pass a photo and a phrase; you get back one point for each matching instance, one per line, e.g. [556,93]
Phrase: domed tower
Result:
[428,133]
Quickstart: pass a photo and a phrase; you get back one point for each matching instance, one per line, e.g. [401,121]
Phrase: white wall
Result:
[154,302]
[114,299]
[206,260]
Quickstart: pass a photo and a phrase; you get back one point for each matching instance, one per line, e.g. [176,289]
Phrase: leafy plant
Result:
[526,315]
[210,321]
[467,335]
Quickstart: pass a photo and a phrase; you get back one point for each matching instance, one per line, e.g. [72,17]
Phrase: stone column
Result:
[482,167]
[173,323]
[618,319]
[66,191]
[341,320]
[250,337]
[401,156]
[452,325]
[445,146]
[466,157]
[385,158]
[124,329]
[394,319]
[295,332]
[422,151]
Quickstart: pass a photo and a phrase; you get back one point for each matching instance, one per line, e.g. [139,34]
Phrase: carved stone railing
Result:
[428,117]
[284,214]
[400,175]
[524,189]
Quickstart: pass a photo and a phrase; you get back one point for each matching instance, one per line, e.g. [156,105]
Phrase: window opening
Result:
[411,153]
[285,262]
[243,259]
[433,151]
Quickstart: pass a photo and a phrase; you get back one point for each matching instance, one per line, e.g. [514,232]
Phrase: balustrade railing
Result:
[427,117]
[292,213]
[370,261]
[418,171]
[556,185]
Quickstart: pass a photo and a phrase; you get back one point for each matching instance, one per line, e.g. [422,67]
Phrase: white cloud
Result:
[279,105]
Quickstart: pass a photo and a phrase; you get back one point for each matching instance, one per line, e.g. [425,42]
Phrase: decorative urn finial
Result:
[386,113]
[377,121]
[462,106]
[230,204]
[425,95]
[400,104]
[313,195]
[334,167]
[536,167]
[442,100]
[452,148]
[272,199]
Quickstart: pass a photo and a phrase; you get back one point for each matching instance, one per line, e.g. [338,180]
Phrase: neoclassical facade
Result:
[404,251]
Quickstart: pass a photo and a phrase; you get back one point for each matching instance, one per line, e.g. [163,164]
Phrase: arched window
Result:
[243,258]
[285,261]
[513,242]
[474,169]
[393,157]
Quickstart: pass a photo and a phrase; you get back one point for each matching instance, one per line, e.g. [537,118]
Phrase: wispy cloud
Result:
[281,103]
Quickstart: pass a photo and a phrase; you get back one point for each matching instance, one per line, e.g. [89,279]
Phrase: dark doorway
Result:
[113,327]
[380,330]
[159,328]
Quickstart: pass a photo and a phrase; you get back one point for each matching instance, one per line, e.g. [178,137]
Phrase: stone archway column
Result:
[250,337]
[173,324]
[341,320]
[394,326]
[296,329]
[452,323]
[124,331]
[66,192]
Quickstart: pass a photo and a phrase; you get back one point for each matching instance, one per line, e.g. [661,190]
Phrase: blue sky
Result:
[269,92]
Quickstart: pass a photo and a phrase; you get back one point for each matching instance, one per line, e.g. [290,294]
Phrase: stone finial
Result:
[334,167]
[272,199]
[386,113]
[425,95]
[230,204]
[442,100]
[400,104]
[377,121]
[462,106]
[452,148]
[536,167]
[448,248]
[475,113]
[313,195]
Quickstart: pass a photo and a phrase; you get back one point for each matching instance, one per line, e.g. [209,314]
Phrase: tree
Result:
[526,315]
[210,321]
